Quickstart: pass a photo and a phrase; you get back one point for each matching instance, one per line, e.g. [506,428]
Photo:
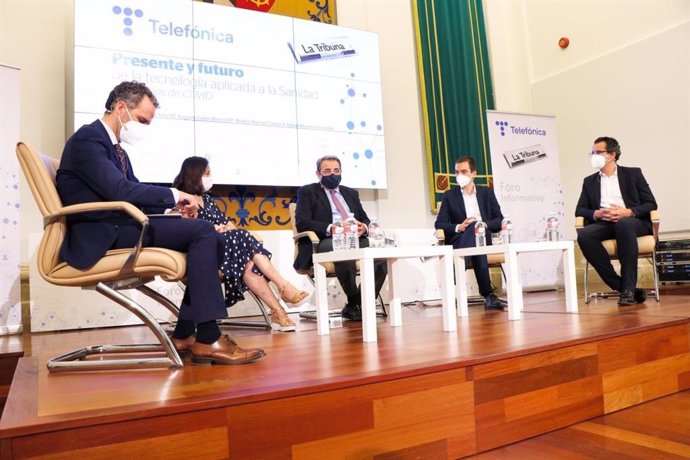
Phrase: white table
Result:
[513,281]
[393,255]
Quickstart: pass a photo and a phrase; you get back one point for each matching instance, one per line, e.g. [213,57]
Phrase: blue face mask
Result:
[331,182]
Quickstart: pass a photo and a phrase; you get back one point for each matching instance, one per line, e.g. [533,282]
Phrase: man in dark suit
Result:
[318,205]
[94,167]
[616,203]
[460,209]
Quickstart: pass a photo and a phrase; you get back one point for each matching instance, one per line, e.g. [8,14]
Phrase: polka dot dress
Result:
[238,248]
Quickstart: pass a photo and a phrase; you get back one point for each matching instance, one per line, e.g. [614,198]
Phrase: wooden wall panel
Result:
[434,411]
[634,349]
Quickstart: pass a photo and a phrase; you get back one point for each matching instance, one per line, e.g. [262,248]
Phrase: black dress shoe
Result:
[640,295]
[491,302]
[626,298]
[353,312]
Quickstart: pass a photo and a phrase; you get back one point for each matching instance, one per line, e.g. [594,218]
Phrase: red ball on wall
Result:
[563,42]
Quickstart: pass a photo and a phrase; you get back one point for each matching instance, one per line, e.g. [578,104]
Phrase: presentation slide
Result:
[261,96]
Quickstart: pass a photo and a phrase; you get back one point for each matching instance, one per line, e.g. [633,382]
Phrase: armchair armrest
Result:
[133,211]
[315,240]
[440,236]
[579,223]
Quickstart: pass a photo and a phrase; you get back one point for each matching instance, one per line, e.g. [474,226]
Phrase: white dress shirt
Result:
[610,190]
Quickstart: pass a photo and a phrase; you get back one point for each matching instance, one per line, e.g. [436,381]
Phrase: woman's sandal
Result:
[296,300]
[280,321]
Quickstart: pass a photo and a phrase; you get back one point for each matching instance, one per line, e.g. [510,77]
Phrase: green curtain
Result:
[456,88]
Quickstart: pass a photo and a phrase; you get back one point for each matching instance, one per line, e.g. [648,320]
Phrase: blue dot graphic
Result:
[373,182]
[117,10]
[350,125]
[368,153]
[128,31]
[364,94]
[352,74]
[498,123]
[362,123]
[355,156]
[379,127]
[128,21]
[138,13]
[127,11]
[342,101]
[351,92]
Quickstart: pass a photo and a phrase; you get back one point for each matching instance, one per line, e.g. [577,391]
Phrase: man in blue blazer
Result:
[615,202]
[94,167]
[317,208]
[460,209]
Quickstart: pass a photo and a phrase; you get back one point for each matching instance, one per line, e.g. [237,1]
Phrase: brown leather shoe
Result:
[183,346]
[224,351]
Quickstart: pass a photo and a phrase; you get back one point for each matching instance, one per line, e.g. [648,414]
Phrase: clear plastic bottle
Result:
[376,236]
[552,227]
[507,229]
[338,233]
[480,232]
[351,236]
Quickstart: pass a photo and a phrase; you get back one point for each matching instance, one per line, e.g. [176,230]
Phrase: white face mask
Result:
[463,180]
[132,131]
[598,161]
[207,182]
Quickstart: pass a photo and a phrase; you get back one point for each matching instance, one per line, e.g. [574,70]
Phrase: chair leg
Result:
[266,323]
[76,360]
[656,276]
[586,282]
[160,298]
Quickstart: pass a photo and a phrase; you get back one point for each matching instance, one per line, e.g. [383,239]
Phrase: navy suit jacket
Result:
[635,190]
[314,214]
[453,211]
[90,172]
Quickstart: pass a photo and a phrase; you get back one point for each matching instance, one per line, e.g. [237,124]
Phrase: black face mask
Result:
[331,182]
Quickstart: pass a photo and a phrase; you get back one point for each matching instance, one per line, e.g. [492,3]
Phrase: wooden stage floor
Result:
[418,392]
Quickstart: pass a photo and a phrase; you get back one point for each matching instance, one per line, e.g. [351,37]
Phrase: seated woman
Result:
[246,263]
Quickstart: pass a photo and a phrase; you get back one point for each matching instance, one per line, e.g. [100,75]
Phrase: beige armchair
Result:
[118,270]
[647,250]
[330,267]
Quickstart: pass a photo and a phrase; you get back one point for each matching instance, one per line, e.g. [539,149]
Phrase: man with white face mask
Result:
[460,209]
[615,202]
[318,206]
[94,168]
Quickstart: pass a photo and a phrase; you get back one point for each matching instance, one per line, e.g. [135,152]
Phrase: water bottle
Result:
[552,227]
[351,236]
[479,232]
[338,232]
[507,229]
[376,237]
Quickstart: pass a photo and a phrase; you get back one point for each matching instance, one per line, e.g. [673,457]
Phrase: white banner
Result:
[10,301]
[527,183]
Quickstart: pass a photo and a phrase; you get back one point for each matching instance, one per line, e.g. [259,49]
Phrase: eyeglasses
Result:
[328,172]
[598,152]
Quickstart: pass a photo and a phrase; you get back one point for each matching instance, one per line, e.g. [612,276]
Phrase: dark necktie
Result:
[338,204]
[122,155]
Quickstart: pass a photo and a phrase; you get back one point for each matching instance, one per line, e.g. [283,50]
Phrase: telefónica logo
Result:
[502,126]
[128,17]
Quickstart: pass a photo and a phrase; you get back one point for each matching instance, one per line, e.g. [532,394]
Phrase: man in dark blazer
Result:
[460,209]
[317,207]
[94,168]
[615,202]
